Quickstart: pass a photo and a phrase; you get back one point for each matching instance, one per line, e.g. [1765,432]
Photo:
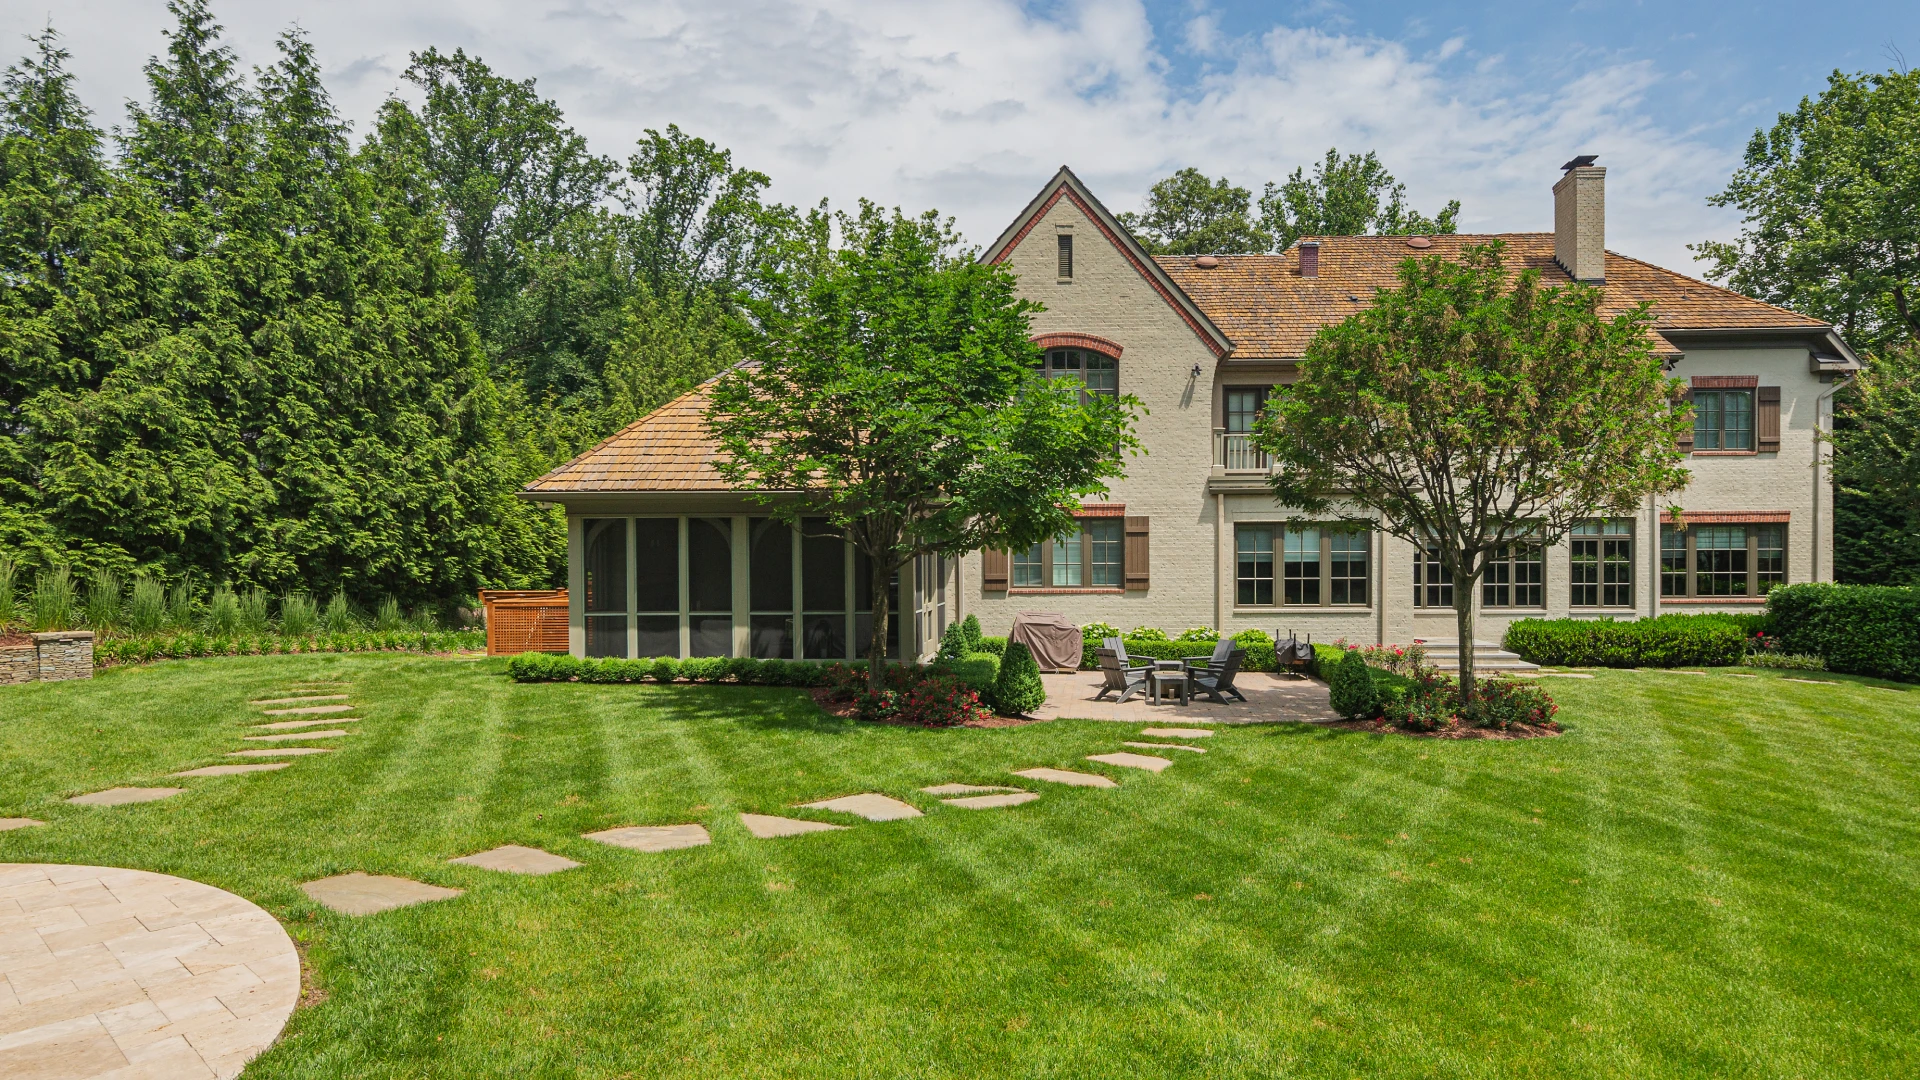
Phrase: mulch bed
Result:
[1456,731]
[16,641]
[845,710]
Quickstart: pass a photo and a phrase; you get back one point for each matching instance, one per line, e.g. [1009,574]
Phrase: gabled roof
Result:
[1271,311]
[665,450]
[1065,185]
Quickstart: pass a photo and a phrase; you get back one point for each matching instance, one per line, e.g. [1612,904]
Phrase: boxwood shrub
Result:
[551,667]
[1667,641]
[1863,629]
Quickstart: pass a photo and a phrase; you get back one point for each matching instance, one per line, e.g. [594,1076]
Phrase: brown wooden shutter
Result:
[993,570]
[1685,442]
[1135,556]
[1766,425]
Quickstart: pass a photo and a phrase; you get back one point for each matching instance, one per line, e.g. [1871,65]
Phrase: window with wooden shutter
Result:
[1136,553]
[993,571]
[1766,421]
[1685,442]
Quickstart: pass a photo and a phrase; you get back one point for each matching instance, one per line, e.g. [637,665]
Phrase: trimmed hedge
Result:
[1862,629]
[192,643]
[995,645]
[1667,641]
[979,671]
[552,667]
[1259,646]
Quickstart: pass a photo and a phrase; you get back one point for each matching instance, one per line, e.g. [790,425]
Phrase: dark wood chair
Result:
[1214,680]
[1199,664]
[1120,679]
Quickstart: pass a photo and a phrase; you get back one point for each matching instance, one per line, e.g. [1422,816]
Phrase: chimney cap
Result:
[1580,162]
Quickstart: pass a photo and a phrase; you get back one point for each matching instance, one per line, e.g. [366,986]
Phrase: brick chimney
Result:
[1580,220]
[1310,258]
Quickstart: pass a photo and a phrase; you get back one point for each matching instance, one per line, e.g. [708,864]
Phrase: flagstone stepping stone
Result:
[282,751]
[233,770]
[870,806]
[8,824]
[289,725]
[1165,746]
[654,837]
[1740,675]
[514,859]
[335,734]
[1810,682]
[1177,732]
[1132,761]
[366,894]
[309,710]
[964,789]
[1062,776]
[297,700]
[128,974]
[766,826]
[1570,674]
[990,802]
[121,796]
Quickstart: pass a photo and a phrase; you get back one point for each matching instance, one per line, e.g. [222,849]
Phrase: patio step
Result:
[1487,657]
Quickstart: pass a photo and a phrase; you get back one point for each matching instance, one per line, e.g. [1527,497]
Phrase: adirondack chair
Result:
[1197,665]
[1120,679]
[1217,679]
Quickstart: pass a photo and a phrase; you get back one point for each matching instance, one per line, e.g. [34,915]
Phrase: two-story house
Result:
[665,559]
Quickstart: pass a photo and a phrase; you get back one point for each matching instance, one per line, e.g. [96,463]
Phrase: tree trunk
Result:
[1463,626]
[880,581]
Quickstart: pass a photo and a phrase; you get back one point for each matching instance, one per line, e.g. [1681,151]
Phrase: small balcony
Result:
[1234,452]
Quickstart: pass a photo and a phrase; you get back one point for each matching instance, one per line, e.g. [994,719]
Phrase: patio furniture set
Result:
[1209,676]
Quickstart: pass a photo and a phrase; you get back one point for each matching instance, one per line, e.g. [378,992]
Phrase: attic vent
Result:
[1206,262]
[1066,256]
[1419,242]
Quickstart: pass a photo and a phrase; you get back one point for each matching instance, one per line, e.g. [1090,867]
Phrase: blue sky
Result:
[969,107]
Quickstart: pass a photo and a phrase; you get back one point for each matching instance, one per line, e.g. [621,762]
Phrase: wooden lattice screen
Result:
[525,620]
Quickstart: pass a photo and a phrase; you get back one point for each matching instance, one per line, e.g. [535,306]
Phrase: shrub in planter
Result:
[1018,689]
[1350,687]
[1500,703]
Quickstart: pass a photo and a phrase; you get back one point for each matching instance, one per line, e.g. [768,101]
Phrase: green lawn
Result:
[1706,876]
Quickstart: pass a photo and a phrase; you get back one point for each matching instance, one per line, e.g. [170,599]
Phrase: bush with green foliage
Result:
[1666,641]
[9,593]
[147,606]
[980,670]
[665,669]
[970,626]
[194,643]
[53,601]
[953,644]
[1350,687]
[743,670]
[995,645]
[1018,690]
[103,601]
[1784,660]
[1860,629]
[298,616]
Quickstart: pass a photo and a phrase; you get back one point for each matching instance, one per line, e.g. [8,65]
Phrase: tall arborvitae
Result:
[195,133]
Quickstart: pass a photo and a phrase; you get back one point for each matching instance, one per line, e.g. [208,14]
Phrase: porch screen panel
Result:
[770,566]
[823,590]
[710,586]
[605,541]
[657,561]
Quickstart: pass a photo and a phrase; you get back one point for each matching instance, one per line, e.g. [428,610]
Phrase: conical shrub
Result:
[1019,689]
[970,626]
[1351,687]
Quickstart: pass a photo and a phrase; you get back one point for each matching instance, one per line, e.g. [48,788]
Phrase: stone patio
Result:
[368,894]
[1271,699]
[121,974]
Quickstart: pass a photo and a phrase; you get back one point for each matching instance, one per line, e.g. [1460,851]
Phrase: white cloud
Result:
[969,107]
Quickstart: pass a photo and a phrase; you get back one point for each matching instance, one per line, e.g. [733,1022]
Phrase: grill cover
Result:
[1054,641]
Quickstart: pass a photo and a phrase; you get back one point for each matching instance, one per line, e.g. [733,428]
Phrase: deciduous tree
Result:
[1350,196]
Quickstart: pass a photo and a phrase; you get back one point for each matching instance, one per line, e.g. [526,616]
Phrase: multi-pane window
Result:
[1089,558]
[1722,560]
[1513,577]
[1318,565]
[1723,419]
[1098,371]
[1602,565]
[1432,581]
[1243,407]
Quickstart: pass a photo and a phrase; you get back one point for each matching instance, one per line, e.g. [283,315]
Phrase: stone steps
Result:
[1487,657]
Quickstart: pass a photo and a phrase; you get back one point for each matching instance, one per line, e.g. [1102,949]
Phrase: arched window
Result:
[1100,372]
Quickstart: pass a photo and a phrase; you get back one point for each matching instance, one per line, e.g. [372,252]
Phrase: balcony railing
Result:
[1234,451]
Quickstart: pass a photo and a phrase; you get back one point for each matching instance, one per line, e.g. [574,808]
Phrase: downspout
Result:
[1823,399]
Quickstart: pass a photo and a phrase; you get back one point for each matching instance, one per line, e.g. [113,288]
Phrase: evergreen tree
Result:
[196,133]
[1350,687]
[1019,690]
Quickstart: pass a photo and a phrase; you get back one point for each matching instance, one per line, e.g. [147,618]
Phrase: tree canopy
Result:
[1469,409]
[1187,214]
[893,391]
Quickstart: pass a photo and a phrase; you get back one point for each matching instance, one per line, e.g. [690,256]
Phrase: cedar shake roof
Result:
[665,450]
[1271,312]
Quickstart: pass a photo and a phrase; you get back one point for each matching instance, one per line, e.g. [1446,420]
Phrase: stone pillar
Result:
[65,654]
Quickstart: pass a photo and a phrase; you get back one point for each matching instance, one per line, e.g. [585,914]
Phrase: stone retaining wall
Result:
[65,654]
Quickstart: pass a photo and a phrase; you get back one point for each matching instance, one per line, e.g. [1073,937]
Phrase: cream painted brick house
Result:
[666,560]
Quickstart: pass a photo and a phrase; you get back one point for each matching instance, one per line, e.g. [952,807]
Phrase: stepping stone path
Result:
[297,700]
[282,752]
[654,837]
[8,824]
[233,770]
[1561,674]
[991,802]
[964,789]
[1165,746]
[1062,776]
[1177,732]
[1810,682]
[335,734]
[128,974]
[121,796]
[309,710]
[366,894]
[1132,761]
[514,859]
[289,725]
[766,827]
[870,806]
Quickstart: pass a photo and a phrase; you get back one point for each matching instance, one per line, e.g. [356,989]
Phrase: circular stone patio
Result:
[130,973]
